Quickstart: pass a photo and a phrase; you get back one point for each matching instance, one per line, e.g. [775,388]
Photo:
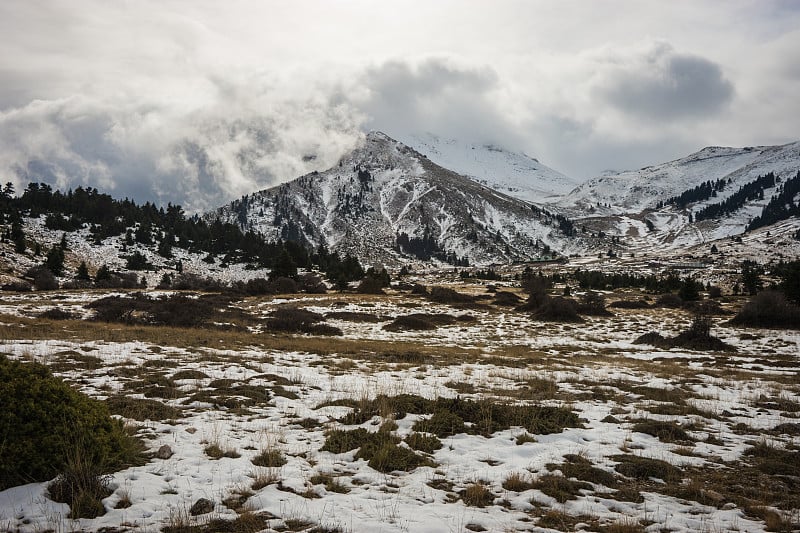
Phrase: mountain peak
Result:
[384,200]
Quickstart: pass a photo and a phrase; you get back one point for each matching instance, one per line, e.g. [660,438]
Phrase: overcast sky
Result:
[199,102]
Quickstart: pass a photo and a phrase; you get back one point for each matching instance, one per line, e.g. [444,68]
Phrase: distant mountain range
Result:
[386,202]
[491,205]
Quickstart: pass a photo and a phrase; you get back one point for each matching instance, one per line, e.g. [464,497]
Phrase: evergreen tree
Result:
[751,281]
[18,236]
[103,274]
[284,267]
[55,260]
[82,273]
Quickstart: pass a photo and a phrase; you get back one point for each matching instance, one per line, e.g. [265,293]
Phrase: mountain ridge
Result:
[383,189]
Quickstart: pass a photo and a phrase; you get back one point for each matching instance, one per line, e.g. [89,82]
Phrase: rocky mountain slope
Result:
[512,173]
[636,190]
[640,206]
[384,201]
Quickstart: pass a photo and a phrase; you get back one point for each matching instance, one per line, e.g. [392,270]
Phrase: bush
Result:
[669,300]
[56,313]
[593,303]
[558,309]
[283,285]
[506,299]
[768,309]
[46,426]
[43,279]
[370,285]
[629,304]
[424,443]
[419,289]
[410,323]
[290,319]
[17,286]
[445,295]
[696,337]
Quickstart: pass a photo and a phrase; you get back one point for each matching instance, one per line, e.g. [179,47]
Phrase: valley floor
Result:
[670,440]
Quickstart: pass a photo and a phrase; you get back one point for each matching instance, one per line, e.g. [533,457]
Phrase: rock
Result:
[201,506]
[165,452]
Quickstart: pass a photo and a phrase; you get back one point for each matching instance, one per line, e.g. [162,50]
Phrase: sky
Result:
[199,102]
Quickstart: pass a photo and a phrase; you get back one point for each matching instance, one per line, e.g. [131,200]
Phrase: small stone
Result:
[165,452]
[201,506]
[191,430]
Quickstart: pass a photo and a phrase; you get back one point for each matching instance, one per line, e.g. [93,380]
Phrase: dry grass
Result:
[477,495]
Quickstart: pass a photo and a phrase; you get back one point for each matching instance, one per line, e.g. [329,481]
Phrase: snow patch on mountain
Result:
[513,173]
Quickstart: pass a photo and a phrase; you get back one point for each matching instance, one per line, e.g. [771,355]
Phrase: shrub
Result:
[560,488]
[56,313]
[443,423]
[629,304]
[389,457]
[44,423]
[424,443]
[669,300]
[506,299]
[311,283]
[644,468]
[283,285]
[419,289]
[270,458]
[410,323]
[663,431]
[43,278]
[697,337]
[477,495]
[768,309]
[17,286]
[291,319]
[593,303]
[558,309]
[445,295]
[370,285]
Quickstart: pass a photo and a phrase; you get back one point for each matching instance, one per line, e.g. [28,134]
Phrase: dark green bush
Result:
[44,423]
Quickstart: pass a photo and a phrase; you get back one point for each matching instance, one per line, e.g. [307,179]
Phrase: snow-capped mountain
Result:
[635,190]
[512,173]
[637,204]
[384,191]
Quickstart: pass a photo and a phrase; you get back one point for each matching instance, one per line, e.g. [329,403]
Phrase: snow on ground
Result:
[594,367]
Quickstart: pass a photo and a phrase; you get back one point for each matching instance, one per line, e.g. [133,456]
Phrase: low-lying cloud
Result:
[666,85]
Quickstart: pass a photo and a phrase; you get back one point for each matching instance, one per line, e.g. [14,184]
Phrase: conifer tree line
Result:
[753,190]
[704,191]
[783,205]
[162,228]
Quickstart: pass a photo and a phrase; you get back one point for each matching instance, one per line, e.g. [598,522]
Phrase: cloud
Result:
[199,158]
[664,84]
[436,95]
[196,102]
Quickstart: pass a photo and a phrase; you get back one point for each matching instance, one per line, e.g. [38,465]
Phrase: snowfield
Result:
[725,402]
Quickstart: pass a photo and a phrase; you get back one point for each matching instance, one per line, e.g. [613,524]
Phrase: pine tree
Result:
[82,273]
[103,274]
[55,260]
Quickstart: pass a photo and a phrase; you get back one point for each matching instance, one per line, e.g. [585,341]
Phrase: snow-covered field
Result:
[727,404]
